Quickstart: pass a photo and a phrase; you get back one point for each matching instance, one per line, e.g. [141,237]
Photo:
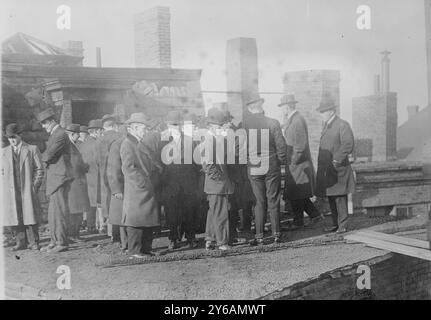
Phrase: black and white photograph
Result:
[234,152]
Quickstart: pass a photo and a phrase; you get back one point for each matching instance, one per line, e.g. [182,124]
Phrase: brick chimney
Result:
[412,111]
[153,38]
[385,71]
[74,48]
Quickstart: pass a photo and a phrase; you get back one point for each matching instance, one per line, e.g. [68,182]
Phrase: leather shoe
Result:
[277,240]
[48,247]
[224,247]
[209,245]
[256,242]
[331,229]
[34,247]
[344,230]
[173,245]
[58,249]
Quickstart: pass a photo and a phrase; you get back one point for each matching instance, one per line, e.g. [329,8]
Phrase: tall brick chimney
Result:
[74,48]
[385,71]
[153,38]
[412,111]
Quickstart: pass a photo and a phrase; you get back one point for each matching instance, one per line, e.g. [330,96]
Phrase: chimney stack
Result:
[74,48]
[385,71]
[412,111]
[376,84]
[98,57]
[153,38]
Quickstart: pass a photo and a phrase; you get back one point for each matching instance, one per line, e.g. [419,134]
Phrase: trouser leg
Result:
[259,190]
[342,210]
[147,240]
[311,209]
[174,212]
[273,194]
[245,215]
[134,240]
[32,233]
[116,237]
[219,205]
[210,223]
[123,236]
[19,232]
[91,217]
[58,215]
[334,211]
[189,219]
[233,216]
[298,211]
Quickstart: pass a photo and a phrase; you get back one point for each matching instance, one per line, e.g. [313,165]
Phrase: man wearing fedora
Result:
[59,178]
[22,174]
[218,184]
[179,183]
[300,176]
[335,178]
[141,211]
[78,193]
[89,156]
[83,134]
[110,134]
[266,186]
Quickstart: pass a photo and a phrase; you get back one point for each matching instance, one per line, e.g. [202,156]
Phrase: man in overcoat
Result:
[179,182]
[89,156]
[116,185]
[59,177]
[266,185]
[141,211]
[22,174]
[110,134]
[335,178]
[218,184]
[78,193]
[300,176]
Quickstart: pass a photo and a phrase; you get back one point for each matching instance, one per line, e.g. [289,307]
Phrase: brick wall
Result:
[309,88]
[393,277]
[153,38]
[375,118]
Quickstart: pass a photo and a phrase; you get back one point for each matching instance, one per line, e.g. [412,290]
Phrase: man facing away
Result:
[78,193]
[335,178]
[22,174]
[218,184]
[141,211]
[89,156]
[59,178]
[266,185]
[299,180]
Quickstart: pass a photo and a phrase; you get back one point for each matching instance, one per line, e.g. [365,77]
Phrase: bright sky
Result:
[291,35]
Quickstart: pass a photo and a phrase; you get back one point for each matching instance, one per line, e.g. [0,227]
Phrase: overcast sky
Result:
[291,35]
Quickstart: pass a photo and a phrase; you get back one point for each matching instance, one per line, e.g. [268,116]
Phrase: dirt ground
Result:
[245,275]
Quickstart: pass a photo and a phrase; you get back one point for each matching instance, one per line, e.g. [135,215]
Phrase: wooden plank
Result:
[390,246]
[395,239]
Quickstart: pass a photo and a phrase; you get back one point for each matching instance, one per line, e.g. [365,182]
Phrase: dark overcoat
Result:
[275,155]
[336,143]
[31,175]
[78,193]
[116,182]
[57,160]
[89,156]
[103,146]
[300,175]
[140,206]
[180,177]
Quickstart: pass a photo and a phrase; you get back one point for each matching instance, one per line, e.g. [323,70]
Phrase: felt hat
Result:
[254,99]
[326,104]
[139,117]
[83,129]
[73,128]
[287,99]
[215,116]
[12,130]
[95,124]
[45,114]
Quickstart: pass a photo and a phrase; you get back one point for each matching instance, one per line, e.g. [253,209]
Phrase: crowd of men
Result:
[110,177]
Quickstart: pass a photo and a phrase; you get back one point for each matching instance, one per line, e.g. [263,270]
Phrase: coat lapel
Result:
[23,155]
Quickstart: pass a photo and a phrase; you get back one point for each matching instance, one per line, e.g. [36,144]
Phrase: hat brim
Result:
[208,121]
[254,101]
[73,131]
[323,109]
[290,102]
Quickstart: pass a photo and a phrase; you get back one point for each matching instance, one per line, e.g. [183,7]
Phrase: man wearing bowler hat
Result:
[141,211]
[89,156]
[78,193]
[59,178]
[110,134]
[22,175]
[266,185]
[299,177]
[335,178]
